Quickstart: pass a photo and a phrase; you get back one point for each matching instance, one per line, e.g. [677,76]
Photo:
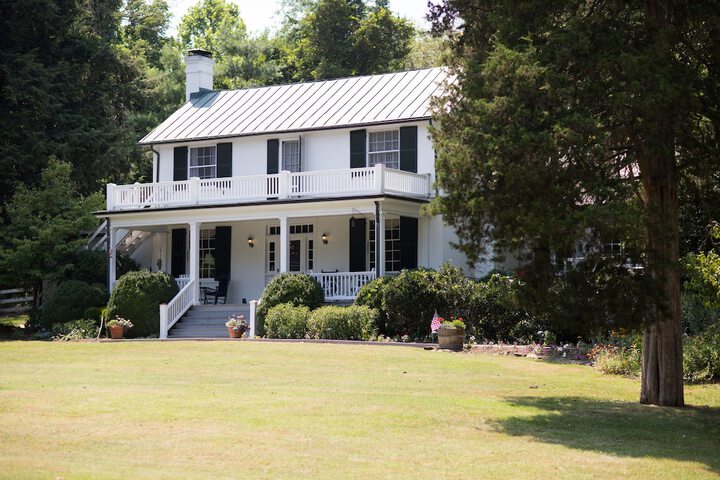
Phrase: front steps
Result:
[207,321]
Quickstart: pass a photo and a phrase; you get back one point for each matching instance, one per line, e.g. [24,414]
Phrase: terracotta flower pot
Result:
[451,338]
[236,332]
[117,331]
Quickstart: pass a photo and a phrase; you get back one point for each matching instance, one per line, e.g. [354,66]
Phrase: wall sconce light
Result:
[251,241]
[324,238]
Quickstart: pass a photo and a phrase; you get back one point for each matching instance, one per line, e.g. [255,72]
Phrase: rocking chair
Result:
[217,293]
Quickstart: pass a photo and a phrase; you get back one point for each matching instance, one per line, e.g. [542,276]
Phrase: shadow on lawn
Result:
[620,429]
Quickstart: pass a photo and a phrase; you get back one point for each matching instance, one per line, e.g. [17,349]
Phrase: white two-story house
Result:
[327,178]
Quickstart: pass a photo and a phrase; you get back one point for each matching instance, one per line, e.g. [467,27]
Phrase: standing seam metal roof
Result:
[353,101]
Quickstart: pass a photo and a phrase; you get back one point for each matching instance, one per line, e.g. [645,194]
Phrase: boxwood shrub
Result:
[137,297]
[287,321]
[296,289]
[343,323]
[70,300]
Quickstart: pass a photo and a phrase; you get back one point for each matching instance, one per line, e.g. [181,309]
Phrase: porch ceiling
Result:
[266,210]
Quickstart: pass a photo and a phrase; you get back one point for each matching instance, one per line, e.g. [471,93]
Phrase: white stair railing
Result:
[172,311]
[342,286]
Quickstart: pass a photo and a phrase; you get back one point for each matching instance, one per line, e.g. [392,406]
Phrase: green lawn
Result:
[271,410]
[17,320]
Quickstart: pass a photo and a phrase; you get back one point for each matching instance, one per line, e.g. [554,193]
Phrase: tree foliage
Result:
[573,122]
[66,89]
[337,38]
[43,232]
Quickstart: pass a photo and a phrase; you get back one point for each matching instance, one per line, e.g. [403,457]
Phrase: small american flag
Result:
[435,324]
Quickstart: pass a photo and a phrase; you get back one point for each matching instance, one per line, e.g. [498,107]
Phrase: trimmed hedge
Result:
[343,323]
[406,304]
[137,297]
[287,321]
[294,288]
[70,300]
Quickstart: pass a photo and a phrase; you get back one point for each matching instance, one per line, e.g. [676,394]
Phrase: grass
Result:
[269,410]
[13,320]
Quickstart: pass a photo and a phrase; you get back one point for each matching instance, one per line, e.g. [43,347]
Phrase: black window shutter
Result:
[408,242]
[357,245]
[224,160]
[177,252]
[408,149]
[273,153]
[358,145]
[180,165]
[223,245]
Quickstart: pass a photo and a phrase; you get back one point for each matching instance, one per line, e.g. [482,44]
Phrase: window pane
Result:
[291,156]
[384,147]
[207,253]
[203,162]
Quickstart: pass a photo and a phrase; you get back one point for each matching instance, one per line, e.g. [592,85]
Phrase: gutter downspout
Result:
[156,158]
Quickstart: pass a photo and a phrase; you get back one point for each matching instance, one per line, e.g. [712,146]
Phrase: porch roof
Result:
[340,103]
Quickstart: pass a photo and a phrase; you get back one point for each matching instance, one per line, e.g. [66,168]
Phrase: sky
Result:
[261,14]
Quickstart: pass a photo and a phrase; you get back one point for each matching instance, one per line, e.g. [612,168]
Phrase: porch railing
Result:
[342,286]
[182,281]
[172,311]
[283,185]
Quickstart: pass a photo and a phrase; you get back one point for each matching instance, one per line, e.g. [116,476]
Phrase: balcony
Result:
[348,182]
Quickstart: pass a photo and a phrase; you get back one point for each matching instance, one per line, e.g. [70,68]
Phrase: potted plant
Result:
[118,326]
[451,333]
[236,325]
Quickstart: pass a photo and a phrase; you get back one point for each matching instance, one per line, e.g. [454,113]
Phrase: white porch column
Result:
[112,256]
[424,241]
[284,244]
[380,245]
[195,260]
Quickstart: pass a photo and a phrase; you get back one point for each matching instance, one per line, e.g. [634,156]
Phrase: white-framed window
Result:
[207,253]
[290,159]
[384,147]
[392,245]
[203,162]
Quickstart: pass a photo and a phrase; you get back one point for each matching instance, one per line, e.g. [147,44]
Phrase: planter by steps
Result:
[236,332]
[451,338]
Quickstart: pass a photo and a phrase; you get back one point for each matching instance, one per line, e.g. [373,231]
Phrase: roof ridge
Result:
[306,82]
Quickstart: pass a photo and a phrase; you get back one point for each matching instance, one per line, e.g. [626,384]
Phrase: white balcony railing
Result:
[284,185]
[342,286]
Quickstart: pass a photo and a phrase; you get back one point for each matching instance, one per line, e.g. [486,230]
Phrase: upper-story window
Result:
[384,147]
[203,162]
[291,156]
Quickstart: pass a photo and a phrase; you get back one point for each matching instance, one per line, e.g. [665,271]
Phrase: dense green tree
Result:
[66,89]
[144,29]
[427,51]
[337,38]
[44,229]
[207,21]
[574,122]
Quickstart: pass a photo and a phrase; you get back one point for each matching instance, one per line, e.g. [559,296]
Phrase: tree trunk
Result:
[662,375]
[662,361]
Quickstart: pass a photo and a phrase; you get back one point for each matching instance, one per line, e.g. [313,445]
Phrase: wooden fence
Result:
[15,300]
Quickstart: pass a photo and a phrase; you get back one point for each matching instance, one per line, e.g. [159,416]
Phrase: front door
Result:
[301,255]
[296,263]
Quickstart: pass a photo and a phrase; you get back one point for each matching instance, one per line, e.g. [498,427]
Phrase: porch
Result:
[334,242]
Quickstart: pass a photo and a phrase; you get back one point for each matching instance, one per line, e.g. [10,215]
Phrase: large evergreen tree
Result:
[575,121]
[66,89]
